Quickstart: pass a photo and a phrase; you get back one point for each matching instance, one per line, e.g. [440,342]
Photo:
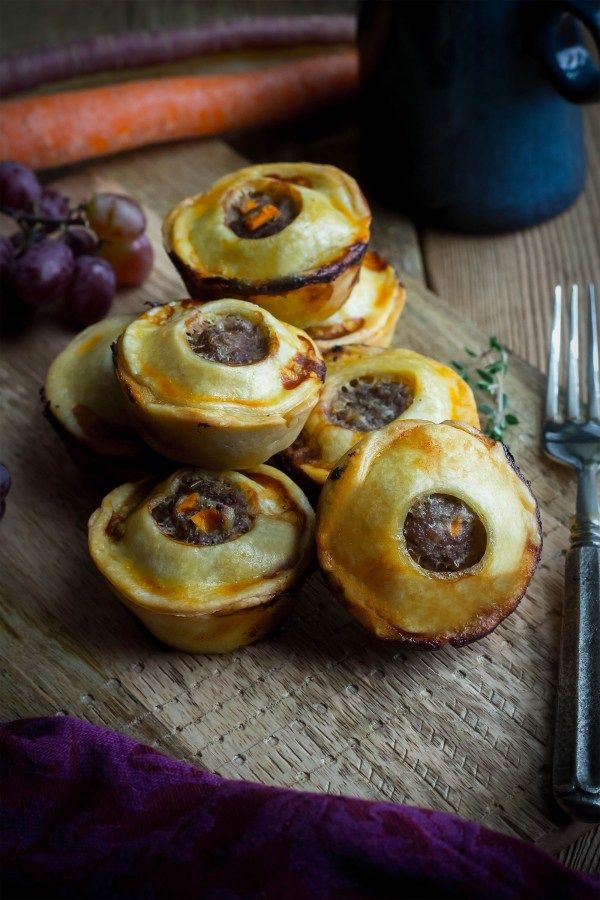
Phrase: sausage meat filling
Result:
[443,534]
[230,339]
[205,510]
[367,403]
[261,212]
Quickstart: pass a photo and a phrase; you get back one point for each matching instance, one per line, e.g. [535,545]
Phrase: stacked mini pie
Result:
[292,238]
[425,528]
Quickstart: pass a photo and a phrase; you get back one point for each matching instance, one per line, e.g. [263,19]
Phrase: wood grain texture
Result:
[505,282]
[584,854]
[321,705]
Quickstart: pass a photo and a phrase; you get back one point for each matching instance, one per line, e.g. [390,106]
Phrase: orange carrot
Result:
[55,129]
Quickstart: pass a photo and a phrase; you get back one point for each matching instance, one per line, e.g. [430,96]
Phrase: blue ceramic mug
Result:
[468,109]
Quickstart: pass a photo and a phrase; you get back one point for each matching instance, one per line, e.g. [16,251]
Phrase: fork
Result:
[574,440]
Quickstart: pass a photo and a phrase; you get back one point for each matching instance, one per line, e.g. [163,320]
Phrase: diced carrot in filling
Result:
[256,218]
[248,205]
[455,527]
[209,519]
[261,212]
[188,504]
[204,510]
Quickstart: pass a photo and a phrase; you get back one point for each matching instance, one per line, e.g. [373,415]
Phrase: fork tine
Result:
[573,406]
[593,360]
[553,382]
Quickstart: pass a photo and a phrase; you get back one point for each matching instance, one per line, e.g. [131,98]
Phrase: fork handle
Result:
[576,774]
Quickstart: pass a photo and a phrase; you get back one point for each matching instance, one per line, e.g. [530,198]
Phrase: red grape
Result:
[5,481]
[131,261]
[53,205]
[82,241]
[20,240]
[43,273]
[7,255]
[19,187]
[91,291]
[17,239]
[4,486]
[115,217]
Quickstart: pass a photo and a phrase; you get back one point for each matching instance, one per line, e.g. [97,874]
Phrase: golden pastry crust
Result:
[83,396]
[205,597]
[304,271]
[205,411]
[370,313]
[362,533]
[434,393]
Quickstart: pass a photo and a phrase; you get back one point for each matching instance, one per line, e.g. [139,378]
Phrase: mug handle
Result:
[568,62]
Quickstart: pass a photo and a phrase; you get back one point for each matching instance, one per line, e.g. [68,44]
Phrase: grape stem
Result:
[75,217]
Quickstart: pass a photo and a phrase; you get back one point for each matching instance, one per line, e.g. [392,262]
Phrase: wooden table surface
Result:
[501,283]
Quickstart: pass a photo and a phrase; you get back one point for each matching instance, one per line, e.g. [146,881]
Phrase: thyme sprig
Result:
[486,376]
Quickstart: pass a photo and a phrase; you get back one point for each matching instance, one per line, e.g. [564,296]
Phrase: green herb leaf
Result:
[489,382]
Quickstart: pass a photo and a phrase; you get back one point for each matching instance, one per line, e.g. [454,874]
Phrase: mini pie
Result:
[205,559]
[287,236]
[368,387]
[370,313]
[429,533]
[221,385]
[83,396]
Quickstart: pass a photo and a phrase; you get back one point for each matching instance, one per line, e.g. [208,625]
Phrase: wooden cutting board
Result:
[322,705]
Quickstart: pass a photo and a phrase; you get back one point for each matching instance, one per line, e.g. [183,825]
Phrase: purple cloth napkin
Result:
[91,813]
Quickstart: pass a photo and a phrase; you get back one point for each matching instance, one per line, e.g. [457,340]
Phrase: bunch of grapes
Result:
[79,255]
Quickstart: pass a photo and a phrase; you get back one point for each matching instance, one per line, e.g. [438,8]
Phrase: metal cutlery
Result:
[571,436]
